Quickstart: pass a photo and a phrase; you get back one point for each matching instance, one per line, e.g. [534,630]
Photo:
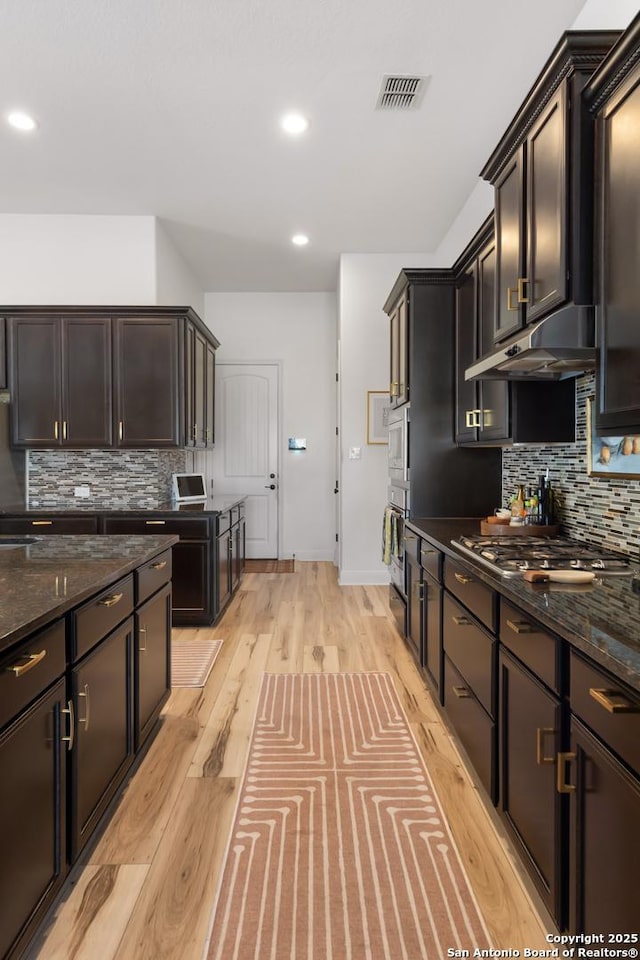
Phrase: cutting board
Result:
[559,576]
[524,530]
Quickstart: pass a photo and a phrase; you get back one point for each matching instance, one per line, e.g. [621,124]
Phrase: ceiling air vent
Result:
[401,93]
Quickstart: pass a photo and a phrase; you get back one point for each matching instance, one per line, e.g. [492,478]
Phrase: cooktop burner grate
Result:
[510,556]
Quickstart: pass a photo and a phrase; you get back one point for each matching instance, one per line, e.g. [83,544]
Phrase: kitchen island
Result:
[85,634]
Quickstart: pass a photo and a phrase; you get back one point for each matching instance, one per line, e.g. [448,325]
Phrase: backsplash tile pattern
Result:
[140,477]
[597,509]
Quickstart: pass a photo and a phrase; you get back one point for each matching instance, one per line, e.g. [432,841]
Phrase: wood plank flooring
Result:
[145,891]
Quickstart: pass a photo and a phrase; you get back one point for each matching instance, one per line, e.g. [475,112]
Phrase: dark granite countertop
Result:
[602,619]
[41,581]
[211,507]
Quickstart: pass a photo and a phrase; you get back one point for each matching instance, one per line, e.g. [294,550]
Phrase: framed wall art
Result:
[377,416]
[611,456]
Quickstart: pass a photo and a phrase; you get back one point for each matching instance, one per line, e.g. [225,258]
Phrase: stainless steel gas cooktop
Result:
[511,556]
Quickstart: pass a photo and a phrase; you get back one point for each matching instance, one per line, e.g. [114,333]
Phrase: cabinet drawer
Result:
[471,649]
[41,525]
[187,528]
[411,545]
[29,669]
[431,560]
[95,619]
[537,649]
[223,522]
[474,727]
[475,595]
[594,695]
[152,576]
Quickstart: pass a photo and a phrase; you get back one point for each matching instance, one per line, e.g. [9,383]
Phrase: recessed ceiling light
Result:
[300,239]
[294,124]
[21,120]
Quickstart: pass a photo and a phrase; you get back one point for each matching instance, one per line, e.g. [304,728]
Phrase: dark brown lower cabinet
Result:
[238,532]
[192,582]
[604,841]
[223,569]
[102,694]
[530,719]
[151,662]
[432,630]
[414,587]
[474,726]
[32,817]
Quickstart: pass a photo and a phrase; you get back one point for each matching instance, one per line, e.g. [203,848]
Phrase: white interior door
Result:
[246,452]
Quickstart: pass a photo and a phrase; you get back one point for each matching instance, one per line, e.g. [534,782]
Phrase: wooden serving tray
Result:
[521,530]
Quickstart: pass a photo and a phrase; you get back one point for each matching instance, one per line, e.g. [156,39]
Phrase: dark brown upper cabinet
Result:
[399,350]
[60,381]
[498,412]
[614,97]
[110,376]
[542,172]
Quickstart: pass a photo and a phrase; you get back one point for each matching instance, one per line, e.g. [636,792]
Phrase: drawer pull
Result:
[72,726]
[613,702]
[461,692]
[562,785]
[87,707]
[460,577]
[41,523]
[159,565]
[541,733]
[461,621]
[155,523]
[33,659]
[111,601]
[143,630]
[519,626]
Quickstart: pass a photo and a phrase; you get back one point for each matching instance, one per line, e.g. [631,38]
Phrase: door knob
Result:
[269,486]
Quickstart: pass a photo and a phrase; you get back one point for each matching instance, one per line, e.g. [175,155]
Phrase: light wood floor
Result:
[146,890]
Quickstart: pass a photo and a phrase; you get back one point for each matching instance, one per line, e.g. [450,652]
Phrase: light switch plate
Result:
[354,453]
[83,491]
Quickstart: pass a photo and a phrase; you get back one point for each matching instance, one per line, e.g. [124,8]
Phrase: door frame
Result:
[279,365]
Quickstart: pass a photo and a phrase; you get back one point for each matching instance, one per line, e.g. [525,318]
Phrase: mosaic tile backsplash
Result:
[603,510]
[142,477]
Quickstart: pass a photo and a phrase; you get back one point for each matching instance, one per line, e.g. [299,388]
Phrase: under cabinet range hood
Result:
[561,345]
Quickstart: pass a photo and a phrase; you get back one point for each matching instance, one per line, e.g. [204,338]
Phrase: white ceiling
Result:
[171,107]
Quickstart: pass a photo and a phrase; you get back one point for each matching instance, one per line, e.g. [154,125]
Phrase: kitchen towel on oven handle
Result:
[390,538]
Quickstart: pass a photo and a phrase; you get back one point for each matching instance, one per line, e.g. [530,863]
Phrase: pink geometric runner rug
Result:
[339,848]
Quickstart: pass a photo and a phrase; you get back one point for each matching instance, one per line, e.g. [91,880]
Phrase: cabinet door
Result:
[467,410]
[3,354]
[102,692]
[618,297]
[509,198]
[36,408]
[210,396]
[223,570]
[151,661]
[605,849]
[530,738]
[414,606]
[199,382]
[546,283]
[146,382]
[192,582]
[399,353]
[493,395]
[32,816]
[238,552]
[432,628]
[86,382]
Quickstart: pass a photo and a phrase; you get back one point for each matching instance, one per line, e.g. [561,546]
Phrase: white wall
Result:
[72,259]
[606,15]
[298,329]
[176,283]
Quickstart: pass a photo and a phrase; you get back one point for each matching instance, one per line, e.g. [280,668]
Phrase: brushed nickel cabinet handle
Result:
[121,430]
[72,726]
[461,621]
[33,659]
[155,523]
[64,429]
[613,702]
[520,626]
[41,523]
[460,577]
[510,292]
[461,692]
[521,296]
[87,707]
[56,429]
[541,733]
[143,649]
[393,388]
[111,600]
[160,565]
[468,418]
[561,783]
